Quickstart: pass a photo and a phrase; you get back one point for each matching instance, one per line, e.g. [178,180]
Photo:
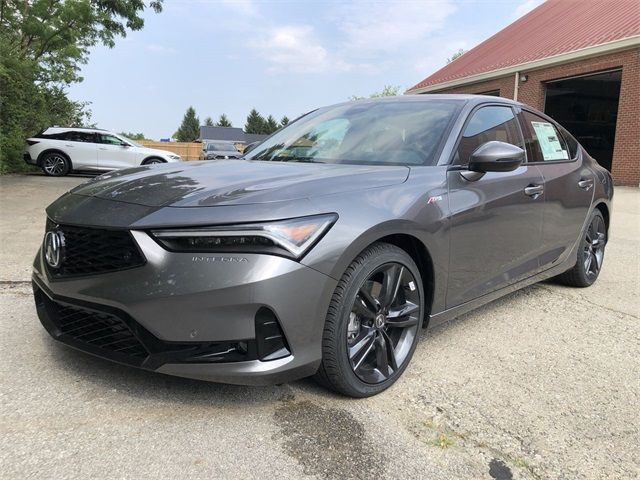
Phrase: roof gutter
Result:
[594,51]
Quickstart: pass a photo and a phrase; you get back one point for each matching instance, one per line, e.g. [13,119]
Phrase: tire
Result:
[153,161]
[352,322]
[55,164]
[590,254]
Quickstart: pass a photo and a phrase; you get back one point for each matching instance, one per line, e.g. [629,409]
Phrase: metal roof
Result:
[554,28]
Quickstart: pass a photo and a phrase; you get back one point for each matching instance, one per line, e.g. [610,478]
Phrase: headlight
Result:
[291,238]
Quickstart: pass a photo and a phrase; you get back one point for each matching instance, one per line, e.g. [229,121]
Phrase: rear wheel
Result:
[55,164]
[590,254]
[372,326]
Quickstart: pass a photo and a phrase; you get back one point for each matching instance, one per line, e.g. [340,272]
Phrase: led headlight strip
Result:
[291,238]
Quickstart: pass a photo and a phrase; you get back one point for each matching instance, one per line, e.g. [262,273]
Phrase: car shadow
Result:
[145,385]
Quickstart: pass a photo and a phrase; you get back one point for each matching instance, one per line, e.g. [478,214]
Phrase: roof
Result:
[555,29]
[228,134]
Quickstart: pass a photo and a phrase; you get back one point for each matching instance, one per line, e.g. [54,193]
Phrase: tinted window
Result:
[74,136]
[392,132]
[572,143]
[110,139]
[542,139]
[485,125]
[221,147]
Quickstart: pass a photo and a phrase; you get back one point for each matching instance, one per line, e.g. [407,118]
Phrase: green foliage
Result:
[190,128]
[387,91]
[284,121]
[133,136]
[255,123]
[457,54]
[208,122]
[43,44]
[223,121]
[271,125]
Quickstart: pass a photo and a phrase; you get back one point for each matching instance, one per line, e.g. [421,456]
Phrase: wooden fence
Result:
[187,150]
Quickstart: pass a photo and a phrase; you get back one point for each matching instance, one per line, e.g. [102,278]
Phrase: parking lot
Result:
[544,383]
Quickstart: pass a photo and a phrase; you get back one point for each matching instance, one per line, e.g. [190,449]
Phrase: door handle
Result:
[585,184]
[534,190]
[103,148]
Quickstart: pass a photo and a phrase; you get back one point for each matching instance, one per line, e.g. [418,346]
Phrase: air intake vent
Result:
[270,338]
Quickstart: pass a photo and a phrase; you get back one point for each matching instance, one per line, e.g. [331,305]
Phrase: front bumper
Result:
[178,303]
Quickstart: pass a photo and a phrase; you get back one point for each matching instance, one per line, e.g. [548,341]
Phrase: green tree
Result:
[43,44]
[223,121]
[255,123]
[457,54]
[190,128]
[284,121]
[387,91]
[271,125]
[133,136]
[208,122]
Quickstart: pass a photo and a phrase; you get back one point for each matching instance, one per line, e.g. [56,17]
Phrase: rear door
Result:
[568,185]
[496,226]
[81,148]
[114,153]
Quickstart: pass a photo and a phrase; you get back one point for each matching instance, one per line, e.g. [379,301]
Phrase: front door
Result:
[113,153]
[568,185]
[496,220]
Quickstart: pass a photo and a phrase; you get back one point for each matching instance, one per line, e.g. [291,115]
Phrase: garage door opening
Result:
[588,107]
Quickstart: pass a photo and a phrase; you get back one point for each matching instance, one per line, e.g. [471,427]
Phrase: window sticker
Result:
[549,141]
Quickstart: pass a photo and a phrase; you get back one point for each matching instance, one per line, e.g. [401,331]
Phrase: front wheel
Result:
[372,326]
[590,254]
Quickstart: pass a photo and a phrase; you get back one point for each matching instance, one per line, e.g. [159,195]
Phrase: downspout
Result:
[515,86]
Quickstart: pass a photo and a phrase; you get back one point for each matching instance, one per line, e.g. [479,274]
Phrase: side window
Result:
[110,139]
[572,143]
[487,124]
[73,136]
[542,139]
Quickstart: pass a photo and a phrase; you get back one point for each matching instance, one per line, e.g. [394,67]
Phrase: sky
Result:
[281,57]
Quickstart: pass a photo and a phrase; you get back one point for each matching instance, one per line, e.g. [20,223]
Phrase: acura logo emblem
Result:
[54,248]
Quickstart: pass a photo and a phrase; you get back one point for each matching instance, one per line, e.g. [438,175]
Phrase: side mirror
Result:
[123,144]
[496,157]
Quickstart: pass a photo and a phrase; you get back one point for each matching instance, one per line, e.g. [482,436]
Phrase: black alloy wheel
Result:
[590,254]
[373,322]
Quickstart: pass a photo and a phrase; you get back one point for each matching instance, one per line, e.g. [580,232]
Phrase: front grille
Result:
[101,330]
[88,251]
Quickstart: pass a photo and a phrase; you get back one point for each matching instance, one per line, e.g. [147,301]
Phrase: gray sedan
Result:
[328,247]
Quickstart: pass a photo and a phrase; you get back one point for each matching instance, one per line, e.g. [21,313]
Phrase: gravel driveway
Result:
[544,383]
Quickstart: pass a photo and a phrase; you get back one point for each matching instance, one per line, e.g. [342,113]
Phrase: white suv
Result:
[59,151]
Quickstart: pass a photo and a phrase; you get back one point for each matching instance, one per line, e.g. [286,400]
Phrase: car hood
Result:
[156,151]
[236,182]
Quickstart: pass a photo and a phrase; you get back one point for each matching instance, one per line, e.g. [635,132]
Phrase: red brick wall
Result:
[626,153]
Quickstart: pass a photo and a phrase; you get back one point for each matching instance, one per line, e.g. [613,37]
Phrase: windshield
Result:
[221,147]
[135,144]
[400,132]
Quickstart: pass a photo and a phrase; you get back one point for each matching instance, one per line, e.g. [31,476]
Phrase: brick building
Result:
[576,60]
